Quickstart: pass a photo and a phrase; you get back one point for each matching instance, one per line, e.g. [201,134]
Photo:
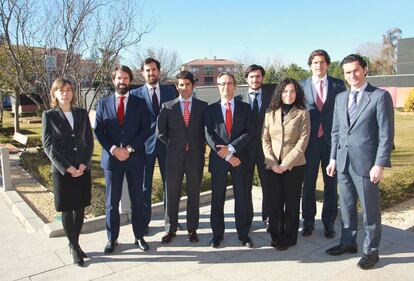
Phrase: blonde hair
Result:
[57,85]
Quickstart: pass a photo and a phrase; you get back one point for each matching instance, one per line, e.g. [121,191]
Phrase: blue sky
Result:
[267,30]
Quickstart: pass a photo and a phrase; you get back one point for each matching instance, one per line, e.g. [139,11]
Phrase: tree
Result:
[170,64]
[296,72]
[41,50]
[335,70]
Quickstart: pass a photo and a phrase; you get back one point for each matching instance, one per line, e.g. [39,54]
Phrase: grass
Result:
[397,186]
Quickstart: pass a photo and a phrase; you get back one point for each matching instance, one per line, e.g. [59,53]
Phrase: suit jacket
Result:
[215,130]
[167,93]
[63,145]
[368,140]
[134,131]
[335,86]
[285,142]
[173,132]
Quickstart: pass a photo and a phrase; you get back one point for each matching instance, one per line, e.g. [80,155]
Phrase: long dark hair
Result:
[277,102]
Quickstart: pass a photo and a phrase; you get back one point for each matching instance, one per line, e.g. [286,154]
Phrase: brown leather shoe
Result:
[193,237]
[167,238]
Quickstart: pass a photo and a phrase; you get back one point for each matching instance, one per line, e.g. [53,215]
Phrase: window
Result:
[194,69]
[208,70]
[220,69]
[208,81]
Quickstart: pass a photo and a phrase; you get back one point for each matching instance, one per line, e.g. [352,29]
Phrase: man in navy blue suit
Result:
[320,93]
[154,96]
[122,127]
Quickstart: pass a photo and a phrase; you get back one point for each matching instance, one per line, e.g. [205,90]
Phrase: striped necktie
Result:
[352,109]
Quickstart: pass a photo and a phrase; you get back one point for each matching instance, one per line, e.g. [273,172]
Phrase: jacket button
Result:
[73,135]
[75,149]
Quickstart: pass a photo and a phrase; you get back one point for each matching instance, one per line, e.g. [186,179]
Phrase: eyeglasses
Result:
[225,83]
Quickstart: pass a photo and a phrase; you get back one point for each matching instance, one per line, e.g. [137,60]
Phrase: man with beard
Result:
[259,101]
[154,96]
[122,127]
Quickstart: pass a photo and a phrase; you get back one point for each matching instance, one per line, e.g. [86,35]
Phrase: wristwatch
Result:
[130,149]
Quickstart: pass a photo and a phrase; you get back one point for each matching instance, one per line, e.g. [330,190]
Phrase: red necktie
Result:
[229,118]
[186,117]
[121,110]
[186,112]
[319,105]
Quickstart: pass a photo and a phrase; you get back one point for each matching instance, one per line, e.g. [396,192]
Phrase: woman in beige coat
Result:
[285,137]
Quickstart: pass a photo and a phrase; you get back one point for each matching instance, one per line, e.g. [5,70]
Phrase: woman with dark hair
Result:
[285,137]
[68,142]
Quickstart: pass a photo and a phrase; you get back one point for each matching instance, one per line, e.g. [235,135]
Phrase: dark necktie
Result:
[319,105]
[121,110]
[229,118]
[155,103]
[255,103]
[352,109]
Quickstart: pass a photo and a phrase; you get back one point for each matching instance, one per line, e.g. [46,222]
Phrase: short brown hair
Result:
[57,85]
[123,68]
[321,53]
[229,74]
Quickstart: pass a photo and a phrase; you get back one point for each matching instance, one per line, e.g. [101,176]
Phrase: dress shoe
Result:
[140,242]
[193,237]
[282,247]
[274,244]
[167,238]
[215,242]
[110,247]
[247,242]
[368,261]
[341,249]
[80,250]
[77,257]
[329,233]
[146,230]
[306,231]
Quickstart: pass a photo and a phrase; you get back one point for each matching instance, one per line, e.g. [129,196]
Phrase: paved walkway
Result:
[33,256]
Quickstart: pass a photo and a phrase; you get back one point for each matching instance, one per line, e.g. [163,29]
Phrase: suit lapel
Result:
[309,91]
[65,120]
[145,95]
[329,101]
[221,122]
[291,115]
[112,109]
[178,112]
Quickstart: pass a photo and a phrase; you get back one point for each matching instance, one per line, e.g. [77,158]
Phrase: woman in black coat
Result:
[68,142]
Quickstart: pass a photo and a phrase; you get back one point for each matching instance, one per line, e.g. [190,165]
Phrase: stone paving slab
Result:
[34,256]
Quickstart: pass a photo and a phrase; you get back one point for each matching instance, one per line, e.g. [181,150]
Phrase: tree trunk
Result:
[1,109]
[16,111]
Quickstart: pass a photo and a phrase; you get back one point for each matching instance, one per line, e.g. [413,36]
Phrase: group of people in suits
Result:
[286,135]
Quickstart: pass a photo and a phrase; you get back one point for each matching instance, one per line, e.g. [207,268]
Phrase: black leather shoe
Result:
[215,242]
[110,247]
[140,242]
[368,261]
[341,249]
[247,242]
[329,233]
[77,257]
[282,247]
[274,244]
[306,231]
[193,237]
[167,238]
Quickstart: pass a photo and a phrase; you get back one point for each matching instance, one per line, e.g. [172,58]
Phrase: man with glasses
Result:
[228,142]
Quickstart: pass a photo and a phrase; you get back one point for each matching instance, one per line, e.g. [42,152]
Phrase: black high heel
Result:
[77,257]
[80,250]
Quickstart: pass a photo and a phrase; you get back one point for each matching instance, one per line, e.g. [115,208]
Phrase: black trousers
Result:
[284,197]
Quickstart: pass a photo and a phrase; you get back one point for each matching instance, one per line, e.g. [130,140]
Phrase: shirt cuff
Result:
[332,161]
[231,149]
[227,158]
[112,149]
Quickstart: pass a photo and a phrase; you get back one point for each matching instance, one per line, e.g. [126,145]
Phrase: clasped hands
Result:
[76,172]
[279,169]
[120,153]
[224,151]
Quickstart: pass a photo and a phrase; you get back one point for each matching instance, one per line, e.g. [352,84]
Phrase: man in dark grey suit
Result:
[228,141]
[259,101]
[180,127]
[320,93]
[362,139]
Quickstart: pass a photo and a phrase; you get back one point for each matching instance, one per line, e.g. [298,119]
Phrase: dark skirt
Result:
[71,193]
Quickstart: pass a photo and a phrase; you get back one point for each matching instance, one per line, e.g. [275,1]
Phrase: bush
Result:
[397,188]
[409,102]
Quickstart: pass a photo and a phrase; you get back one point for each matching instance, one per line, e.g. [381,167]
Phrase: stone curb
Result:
[32,222]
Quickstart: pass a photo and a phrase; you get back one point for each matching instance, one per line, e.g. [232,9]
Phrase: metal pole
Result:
[5,169]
